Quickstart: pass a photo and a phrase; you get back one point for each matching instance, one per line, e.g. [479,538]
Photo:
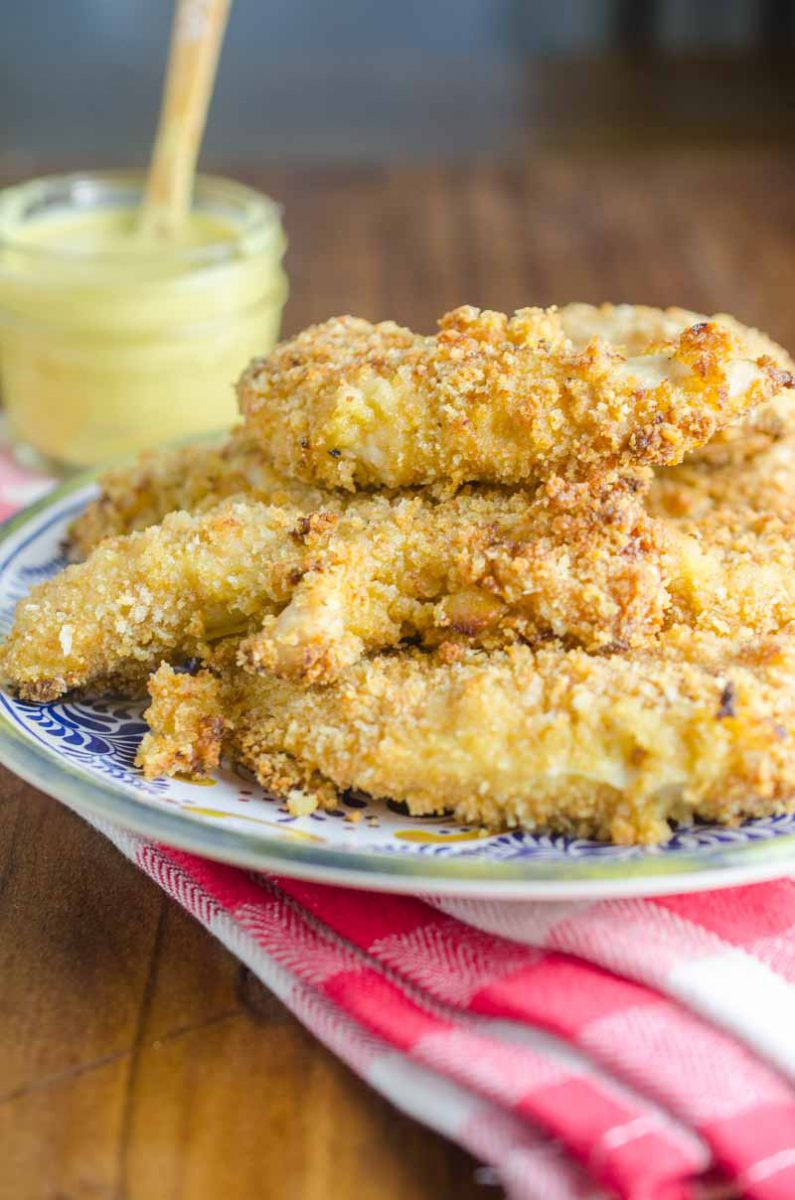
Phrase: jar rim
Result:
[252,214]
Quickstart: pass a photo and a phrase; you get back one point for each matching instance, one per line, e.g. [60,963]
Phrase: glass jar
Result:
[108,343]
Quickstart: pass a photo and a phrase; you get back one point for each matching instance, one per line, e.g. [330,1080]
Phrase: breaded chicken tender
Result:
[194,478]
[764,483]
[736,572]
[188,729]
[492,398]
[578,561]
[548,740]
[157,594]
[324,588]
[544,618]
[186,713]
[314,592]
[631,327]
[190,479]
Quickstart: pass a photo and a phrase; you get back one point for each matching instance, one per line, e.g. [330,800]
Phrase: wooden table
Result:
[138,1060]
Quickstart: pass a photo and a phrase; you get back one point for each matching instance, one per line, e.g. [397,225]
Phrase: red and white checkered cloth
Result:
[625,1048]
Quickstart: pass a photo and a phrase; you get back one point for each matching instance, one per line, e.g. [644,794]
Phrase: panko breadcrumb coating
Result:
[580,562]
[319,590]
[190,479]
[187,725]
[764,483]
[195,478]
[602,651]
[549,740]
[631,327]
[493,398]
[188,729]
[575,561]
[736,572]
[157,594]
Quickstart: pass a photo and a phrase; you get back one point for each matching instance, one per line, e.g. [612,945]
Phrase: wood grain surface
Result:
[138,1060]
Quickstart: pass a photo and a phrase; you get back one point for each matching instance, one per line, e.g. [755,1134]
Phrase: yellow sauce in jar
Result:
[110,343]
[116,233]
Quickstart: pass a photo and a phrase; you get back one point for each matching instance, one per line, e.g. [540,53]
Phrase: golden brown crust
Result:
[314,592]
[636,652]
[196,478]
[156,594]
[578,561]
[190,479]
[630,327]
[348,404]
[187,731]
[551,740]
[738,576]
[186,723]
[764,483]
[318,590]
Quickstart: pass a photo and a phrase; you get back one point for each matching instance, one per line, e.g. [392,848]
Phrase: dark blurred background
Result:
[424,80]
[428,152]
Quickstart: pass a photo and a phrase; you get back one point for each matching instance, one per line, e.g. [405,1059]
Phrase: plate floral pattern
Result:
[83,752]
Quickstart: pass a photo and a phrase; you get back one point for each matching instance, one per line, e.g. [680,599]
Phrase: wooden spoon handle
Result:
[196,39]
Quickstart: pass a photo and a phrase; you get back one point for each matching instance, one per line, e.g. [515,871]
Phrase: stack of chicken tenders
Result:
[538,571]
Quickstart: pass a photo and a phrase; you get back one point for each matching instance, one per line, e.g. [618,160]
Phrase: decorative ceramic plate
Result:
[82,752]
